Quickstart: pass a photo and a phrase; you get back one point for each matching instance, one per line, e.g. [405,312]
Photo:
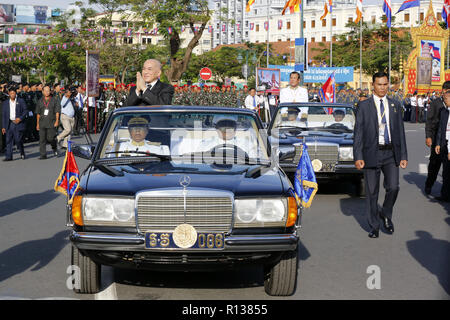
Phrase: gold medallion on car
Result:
[317,165]
[184,236]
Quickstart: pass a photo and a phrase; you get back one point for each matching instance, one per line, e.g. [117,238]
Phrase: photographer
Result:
[67,116]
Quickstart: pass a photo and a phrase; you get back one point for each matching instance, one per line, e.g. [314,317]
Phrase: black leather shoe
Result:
[374,233]
[42,157]
[427,190]
[388,225]
[22,156]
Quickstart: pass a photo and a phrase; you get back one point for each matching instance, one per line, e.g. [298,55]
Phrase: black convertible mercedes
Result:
[184,188]
[327,130]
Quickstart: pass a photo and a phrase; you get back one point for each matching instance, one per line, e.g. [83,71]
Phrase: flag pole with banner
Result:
[305,183]
[68,181]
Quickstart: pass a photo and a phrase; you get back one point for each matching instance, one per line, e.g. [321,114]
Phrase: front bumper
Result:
[129,251]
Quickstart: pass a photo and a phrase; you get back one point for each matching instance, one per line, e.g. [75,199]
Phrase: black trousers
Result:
[46,135]
[13,136]
[445,191]
[433,167]
[386,164]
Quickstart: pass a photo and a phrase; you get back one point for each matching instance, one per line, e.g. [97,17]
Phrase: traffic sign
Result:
[205,73]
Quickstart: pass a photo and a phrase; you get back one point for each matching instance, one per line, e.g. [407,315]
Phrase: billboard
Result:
[316,74]
[432,49]
[269,78]
[92,73]
[33,14]
[6,13]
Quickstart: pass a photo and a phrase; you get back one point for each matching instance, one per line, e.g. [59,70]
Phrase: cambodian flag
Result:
[446,12]
[68,181]
[328,91]
[169,30]
[387,8]
[434,51]
[409,4]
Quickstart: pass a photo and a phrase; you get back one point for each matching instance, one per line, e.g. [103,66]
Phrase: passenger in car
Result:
[339,116]
[138,128]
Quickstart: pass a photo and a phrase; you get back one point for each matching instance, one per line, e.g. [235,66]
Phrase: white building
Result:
[287,27]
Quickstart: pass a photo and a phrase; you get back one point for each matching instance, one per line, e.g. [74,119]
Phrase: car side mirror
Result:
[84,151]
[285,152]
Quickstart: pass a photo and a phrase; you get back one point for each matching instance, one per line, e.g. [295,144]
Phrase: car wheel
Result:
[281,279]
[89,272]
[360,187]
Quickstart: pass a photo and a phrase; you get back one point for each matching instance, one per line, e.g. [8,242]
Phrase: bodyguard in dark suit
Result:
[442,148]
[149,89]
[380,146]
[431,128]
[13,123]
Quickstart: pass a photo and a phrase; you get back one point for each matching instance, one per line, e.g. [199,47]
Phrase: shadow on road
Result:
[35,253]
[239,277]
[433,255]
[355,207]
[30,201]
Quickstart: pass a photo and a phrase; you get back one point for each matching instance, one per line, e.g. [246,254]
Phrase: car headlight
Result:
[108,211]
[260,212]
[346,153]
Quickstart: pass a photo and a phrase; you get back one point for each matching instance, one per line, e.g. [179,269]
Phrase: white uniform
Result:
[144,146]
[289,94]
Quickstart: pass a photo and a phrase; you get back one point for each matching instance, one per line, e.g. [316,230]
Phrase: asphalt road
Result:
[337,259]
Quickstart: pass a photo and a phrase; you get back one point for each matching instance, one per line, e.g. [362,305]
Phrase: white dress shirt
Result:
[290,94]
[12,109]
[386,113]
[251,102]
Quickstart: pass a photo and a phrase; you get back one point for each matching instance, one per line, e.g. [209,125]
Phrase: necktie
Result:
[383,120]
[254,102]
[149,86]
[81,101]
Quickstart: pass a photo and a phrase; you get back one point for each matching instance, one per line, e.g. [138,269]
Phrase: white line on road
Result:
[109,293]
[423,168]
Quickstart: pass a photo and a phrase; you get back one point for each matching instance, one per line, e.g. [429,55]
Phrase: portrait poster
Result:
[30,14]
[6,13]
[92,73]
[268,78]
[424,70]
[432,49]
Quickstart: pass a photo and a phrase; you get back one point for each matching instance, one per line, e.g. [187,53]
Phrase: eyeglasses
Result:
[446,92]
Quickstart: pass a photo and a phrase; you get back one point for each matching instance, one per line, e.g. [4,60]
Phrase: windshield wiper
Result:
[148,154]
[108,170]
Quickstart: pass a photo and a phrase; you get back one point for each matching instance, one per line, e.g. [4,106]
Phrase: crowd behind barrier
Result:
[91,113]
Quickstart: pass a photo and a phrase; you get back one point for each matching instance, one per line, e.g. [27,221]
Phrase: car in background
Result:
[200,192]
[327,130]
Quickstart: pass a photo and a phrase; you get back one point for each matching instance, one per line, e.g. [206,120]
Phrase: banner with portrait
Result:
[92,73]
[269,79]
[6,13]
[431,49]
[424,67]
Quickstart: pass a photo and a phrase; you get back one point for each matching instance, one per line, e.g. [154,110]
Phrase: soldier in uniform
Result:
[138,129]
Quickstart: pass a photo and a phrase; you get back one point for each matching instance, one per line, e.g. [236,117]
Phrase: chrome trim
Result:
[136,242]
[184,193]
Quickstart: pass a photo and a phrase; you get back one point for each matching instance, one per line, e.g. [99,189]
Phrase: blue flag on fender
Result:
[305,183]
[68,181]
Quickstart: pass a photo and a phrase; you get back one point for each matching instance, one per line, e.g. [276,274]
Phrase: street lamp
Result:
[245,67]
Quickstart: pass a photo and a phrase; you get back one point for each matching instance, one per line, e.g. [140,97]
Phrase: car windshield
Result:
[184,137]
[315,117]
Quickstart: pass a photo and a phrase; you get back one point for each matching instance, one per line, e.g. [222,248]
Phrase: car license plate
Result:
[164,240]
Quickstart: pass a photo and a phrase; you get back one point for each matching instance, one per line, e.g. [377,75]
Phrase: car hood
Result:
[271,183]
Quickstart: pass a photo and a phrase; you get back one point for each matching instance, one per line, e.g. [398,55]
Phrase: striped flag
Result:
[249,3]
[266,25]
[327,8]
[359,11]
[280,24]
[388,12]
[409,4]
[328,91]
[293,5]
[446,12]
[68,181]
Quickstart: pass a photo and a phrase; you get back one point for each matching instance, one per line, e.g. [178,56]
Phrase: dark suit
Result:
[431,128]
[14,132]
[441,140]
[379,159]
[160,94]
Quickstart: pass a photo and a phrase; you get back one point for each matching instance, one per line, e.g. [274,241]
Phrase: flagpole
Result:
[331,35]
[268,25]
[304,42]
[360,53]
[389,57]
